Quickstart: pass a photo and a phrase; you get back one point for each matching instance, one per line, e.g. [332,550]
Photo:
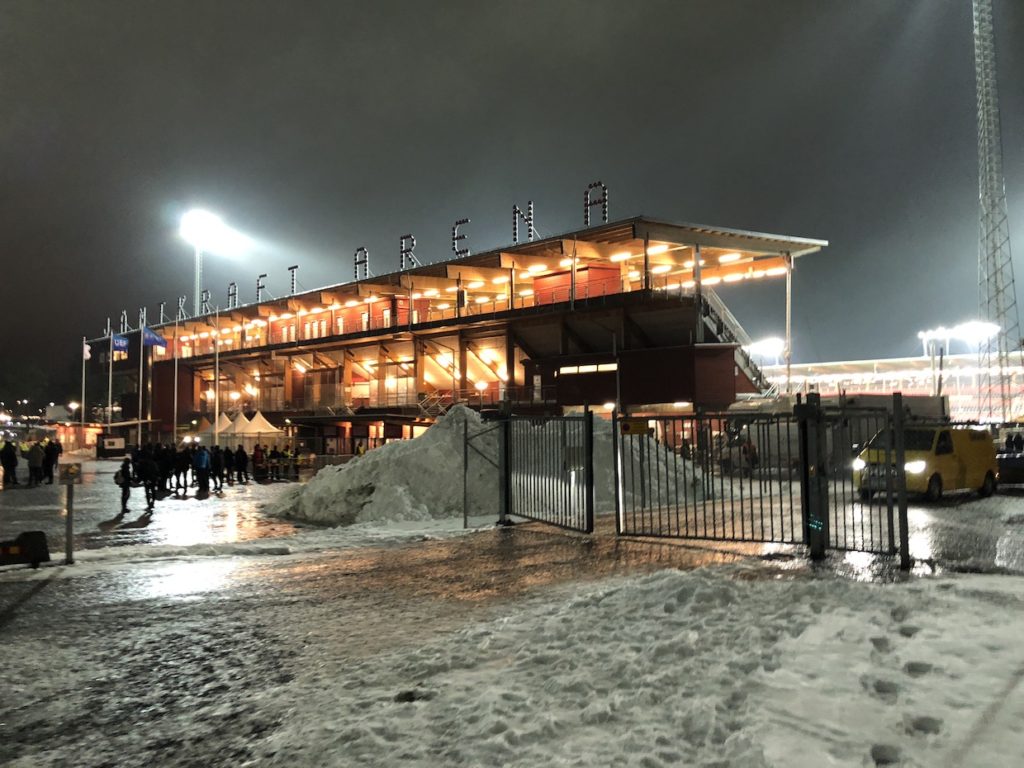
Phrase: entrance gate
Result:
[550,470]
[786,478]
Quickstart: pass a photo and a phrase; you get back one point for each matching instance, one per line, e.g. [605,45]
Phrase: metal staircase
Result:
[434,405]
[726,328]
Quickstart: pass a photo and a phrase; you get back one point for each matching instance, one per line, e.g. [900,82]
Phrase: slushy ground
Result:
[425,645]
[177,520]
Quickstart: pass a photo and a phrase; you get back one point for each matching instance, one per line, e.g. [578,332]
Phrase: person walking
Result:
[123,477]
[149,473]
[242,464]
[217,468]
[9,461]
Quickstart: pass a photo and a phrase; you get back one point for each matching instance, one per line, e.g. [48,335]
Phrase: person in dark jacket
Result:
[229,465]
[125,482]
[182,462]
[51,454]
[242,464]
[165,460]
[149,473]
[217,468]
[9,461]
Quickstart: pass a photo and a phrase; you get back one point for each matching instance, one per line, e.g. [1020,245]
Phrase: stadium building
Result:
[618,312]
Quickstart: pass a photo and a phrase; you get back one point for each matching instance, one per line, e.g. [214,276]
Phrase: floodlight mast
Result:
[207,232]
[996,290]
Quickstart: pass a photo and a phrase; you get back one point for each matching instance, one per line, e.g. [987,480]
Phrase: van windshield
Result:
[913,440]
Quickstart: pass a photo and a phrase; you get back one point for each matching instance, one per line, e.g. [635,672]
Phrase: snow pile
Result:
[684,669]
[415,479]
[421,479]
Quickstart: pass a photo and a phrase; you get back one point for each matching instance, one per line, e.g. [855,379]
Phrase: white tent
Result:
[259,425]
[204,431]
[240,426]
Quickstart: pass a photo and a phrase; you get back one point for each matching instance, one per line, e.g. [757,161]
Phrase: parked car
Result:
[936,459]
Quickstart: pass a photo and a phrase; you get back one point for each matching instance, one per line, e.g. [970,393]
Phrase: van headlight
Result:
[859,464]
[914,467]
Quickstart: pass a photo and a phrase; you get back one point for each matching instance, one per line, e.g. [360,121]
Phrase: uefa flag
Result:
[119,343]
[151,338]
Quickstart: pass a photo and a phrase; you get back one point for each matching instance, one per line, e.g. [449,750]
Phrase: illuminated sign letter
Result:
[407,244]
[259,287]
[588,203]
[517,214]
[456,237]
[124,321]
[293,269]
[362,259]
[205,300]
[232,295]
[181,308]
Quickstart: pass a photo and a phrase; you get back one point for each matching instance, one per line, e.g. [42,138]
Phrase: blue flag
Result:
[151,338]
[120,343]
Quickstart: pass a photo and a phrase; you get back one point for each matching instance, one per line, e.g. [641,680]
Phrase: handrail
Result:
[727,317]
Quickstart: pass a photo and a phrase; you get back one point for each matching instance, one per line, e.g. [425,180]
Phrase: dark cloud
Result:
[321,126]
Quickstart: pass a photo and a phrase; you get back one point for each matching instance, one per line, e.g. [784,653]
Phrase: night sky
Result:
[318,127]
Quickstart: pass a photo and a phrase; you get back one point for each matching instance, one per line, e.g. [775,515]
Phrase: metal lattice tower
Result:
[997,293]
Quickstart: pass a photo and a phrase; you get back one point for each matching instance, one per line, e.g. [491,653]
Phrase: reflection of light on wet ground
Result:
[184,578]
[920,534]
[233,516]
[1010,551]
[860,565]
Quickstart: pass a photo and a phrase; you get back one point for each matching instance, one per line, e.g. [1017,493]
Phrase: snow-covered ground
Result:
[694,668]
[317,661]
[217,635]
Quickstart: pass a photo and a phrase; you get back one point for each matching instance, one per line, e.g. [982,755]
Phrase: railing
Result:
[728,328]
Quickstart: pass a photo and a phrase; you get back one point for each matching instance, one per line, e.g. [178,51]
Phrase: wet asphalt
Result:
[181,661]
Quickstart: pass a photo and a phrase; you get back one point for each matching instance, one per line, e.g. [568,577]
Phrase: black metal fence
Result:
[550,470]
[861,508]
[786,477]
[717,477]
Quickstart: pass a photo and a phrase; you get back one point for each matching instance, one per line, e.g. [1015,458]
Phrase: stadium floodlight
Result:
[973,333]
[765,348]
[207,233]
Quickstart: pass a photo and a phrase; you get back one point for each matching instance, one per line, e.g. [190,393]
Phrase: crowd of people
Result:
[41,457]
[162,470]
[1014,443]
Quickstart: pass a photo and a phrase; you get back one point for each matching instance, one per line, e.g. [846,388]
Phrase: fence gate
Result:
[788,478]
[549,463]
[723,477]
[861,509]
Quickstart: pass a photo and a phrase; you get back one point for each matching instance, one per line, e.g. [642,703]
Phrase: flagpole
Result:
[110,376]
[216,378]
[142,355]
[81,429]
[175,425]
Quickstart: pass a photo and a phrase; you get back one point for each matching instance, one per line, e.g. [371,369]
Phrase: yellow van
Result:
[937,459]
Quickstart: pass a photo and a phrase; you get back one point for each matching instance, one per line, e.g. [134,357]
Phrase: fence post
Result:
[588,453]
[465,471]
[813,478]
[504,472]
[69,527]
[616,490]
[901,479]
